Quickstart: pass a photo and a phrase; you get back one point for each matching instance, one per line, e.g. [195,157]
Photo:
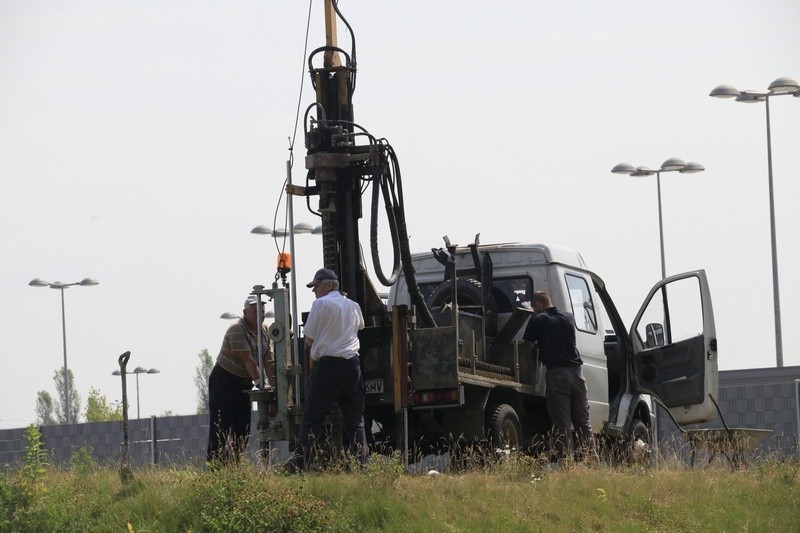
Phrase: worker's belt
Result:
[333,358]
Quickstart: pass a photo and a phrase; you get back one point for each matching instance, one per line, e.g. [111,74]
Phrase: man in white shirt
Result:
[331,333]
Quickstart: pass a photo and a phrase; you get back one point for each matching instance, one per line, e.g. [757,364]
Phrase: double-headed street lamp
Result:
[138,370]
[233,316]
[297,229]
[672,164]
[85,282]
[779,87]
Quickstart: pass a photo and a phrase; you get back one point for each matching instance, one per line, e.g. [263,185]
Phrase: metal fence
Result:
[170,440]
[760,398]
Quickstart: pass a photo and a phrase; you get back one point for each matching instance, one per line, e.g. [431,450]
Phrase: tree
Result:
[74,398]
[98,408]
[44,408]
[201,374]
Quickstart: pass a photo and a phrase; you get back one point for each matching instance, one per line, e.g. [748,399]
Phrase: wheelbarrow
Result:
[731,443]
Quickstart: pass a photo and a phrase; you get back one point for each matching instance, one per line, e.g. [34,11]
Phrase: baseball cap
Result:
[251,300]
[322,275]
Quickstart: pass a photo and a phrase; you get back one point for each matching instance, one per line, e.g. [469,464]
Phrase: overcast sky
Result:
[141,141]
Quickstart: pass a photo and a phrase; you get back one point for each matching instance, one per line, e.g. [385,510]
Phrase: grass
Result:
[765,497]
[508,492]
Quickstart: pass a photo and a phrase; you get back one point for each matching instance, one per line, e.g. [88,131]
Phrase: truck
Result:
[443,358]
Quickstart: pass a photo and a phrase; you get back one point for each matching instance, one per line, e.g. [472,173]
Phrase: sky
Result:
[141,141]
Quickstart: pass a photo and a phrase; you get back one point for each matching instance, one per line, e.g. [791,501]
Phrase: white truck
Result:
[472,376]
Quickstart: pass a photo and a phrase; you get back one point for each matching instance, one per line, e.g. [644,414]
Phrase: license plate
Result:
[373,386]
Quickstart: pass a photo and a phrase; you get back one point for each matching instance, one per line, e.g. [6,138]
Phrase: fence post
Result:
[656,426]
[153,441]
[797,411]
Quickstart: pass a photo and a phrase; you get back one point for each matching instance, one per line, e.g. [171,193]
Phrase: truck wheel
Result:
[503,427]
[469,292]
[639,442]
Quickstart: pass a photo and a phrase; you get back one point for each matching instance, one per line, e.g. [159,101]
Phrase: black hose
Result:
[424,314]
[352,48]
[379,185]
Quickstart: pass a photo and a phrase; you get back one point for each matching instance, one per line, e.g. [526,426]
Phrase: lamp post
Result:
[138,370]
[781,86]
[672,164]
[85,282]
[299,228]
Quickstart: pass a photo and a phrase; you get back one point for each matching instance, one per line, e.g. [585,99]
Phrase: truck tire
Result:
[469,292]
[639,443]
[503,427]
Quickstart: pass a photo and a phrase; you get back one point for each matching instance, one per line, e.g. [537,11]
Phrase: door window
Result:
[668,321]
[582,305]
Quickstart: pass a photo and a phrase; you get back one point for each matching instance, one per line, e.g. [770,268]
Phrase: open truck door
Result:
[675,347]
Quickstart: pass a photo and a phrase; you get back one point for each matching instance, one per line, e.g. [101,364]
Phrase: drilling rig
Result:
[443,359]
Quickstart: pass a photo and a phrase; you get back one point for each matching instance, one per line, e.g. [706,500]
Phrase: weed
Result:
[784,471]
[82,461]
[235,499]
[383,471]
[34,465]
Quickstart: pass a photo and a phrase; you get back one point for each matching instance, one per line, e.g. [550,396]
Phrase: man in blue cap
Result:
[331,336]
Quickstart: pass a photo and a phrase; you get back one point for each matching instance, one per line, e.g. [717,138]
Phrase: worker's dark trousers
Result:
[568,406]
[334,380]
[229,415]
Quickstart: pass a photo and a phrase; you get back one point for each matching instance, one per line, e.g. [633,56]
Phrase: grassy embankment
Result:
[509,493]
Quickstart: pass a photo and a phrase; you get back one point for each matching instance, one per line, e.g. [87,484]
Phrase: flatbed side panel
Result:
[433,359]
[377,358]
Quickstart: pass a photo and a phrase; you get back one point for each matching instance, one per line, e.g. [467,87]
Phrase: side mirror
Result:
[655,335]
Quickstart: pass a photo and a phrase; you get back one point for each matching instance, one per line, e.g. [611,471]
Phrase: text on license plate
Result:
[373,386]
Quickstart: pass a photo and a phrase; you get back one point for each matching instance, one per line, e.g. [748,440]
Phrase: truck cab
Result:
[473,377]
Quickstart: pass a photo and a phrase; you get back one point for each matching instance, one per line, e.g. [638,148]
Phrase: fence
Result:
[170,440]
[761,398]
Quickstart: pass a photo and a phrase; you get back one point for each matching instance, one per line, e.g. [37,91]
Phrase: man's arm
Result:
[248,361]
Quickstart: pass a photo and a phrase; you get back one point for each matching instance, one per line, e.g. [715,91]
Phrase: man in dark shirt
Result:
[565,387]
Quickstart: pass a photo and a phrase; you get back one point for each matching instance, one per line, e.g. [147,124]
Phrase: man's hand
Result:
[257,383]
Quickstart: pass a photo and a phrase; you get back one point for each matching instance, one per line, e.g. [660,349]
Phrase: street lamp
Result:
[672,164]
[138,370]
[781,86]
[85,282]
[233,316]
[299,228]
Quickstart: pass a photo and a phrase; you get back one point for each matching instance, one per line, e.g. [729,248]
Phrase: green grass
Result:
[514,494]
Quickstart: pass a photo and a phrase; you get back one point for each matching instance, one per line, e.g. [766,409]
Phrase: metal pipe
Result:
[797,410]
[661,227]
[138,412]
[776,299]
[67,382]
[153,440]
[295,317]
[260,342]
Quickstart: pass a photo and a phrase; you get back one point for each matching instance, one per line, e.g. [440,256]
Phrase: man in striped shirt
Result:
[228,385]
